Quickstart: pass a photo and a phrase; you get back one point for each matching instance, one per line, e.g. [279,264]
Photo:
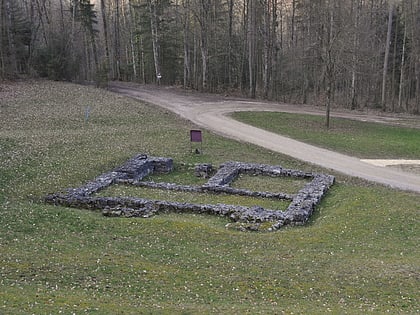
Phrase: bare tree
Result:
[230,46]
[186,43]
[416,37]
[252,47]
[203,19]
[117,40]
[155,37]
[2,40]
[386,58]
[10,37]
[329,66]
[267,40]
[401,81]
[105,36]
[356,7]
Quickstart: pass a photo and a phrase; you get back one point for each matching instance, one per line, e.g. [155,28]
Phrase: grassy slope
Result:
[347,136]
[359,254]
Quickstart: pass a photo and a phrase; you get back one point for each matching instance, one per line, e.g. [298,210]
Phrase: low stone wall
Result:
[134,170]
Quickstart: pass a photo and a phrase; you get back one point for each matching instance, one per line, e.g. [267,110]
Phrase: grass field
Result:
[357,138]
[359,253]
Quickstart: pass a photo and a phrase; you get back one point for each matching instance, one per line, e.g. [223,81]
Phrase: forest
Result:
[357,54]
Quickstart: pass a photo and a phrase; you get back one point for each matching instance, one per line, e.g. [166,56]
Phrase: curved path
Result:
[210,112]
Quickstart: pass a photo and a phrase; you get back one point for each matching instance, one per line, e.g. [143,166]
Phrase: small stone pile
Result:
[134,170]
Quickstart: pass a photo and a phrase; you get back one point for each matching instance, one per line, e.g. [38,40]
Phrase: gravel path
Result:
[210,112]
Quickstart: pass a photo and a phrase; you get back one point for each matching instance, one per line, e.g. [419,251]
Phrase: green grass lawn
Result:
[194,198]
[358,254]
[357,138]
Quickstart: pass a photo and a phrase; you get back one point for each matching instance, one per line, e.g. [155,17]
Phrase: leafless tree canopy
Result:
[352,53]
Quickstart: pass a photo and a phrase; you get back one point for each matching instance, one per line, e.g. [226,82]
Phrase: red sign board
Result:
[195,136]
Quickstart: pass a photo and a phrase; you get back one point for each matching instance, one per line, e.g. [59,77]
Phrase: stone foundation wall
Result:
[134,170]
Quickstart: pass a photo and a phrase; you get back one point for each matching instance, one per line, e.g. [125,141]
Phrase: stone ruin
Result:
[302,204]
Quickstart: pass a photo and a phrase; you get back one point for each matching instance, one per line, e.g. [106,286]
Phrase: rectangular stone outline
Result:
[134,170]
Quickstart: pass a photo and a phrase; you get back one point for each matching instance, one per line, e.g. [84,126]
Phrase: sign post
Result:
[196,136]
[87,113]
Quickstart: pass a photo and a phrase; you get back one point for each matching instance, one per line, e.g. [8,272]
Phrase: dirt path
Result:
[210,112]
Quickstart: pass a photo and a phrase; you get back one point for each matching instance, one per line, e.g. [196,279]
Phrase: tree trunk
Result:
[329,66]
[43,14]
[63,25]
[195,76]
[73,23]
[353,100]
[274,48]
[105,26]
[204,21]
[2,40]
[401,83]
[117,40]
[155,38]
[394,67]
[230,39]
[204,62]
[245,38]
[88,59]
[267,48]
[416,57]
[95,54]
[387,45]
[252,46]
[131,51]
[186,26]
[292,28]
[142,60]
[11,39]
